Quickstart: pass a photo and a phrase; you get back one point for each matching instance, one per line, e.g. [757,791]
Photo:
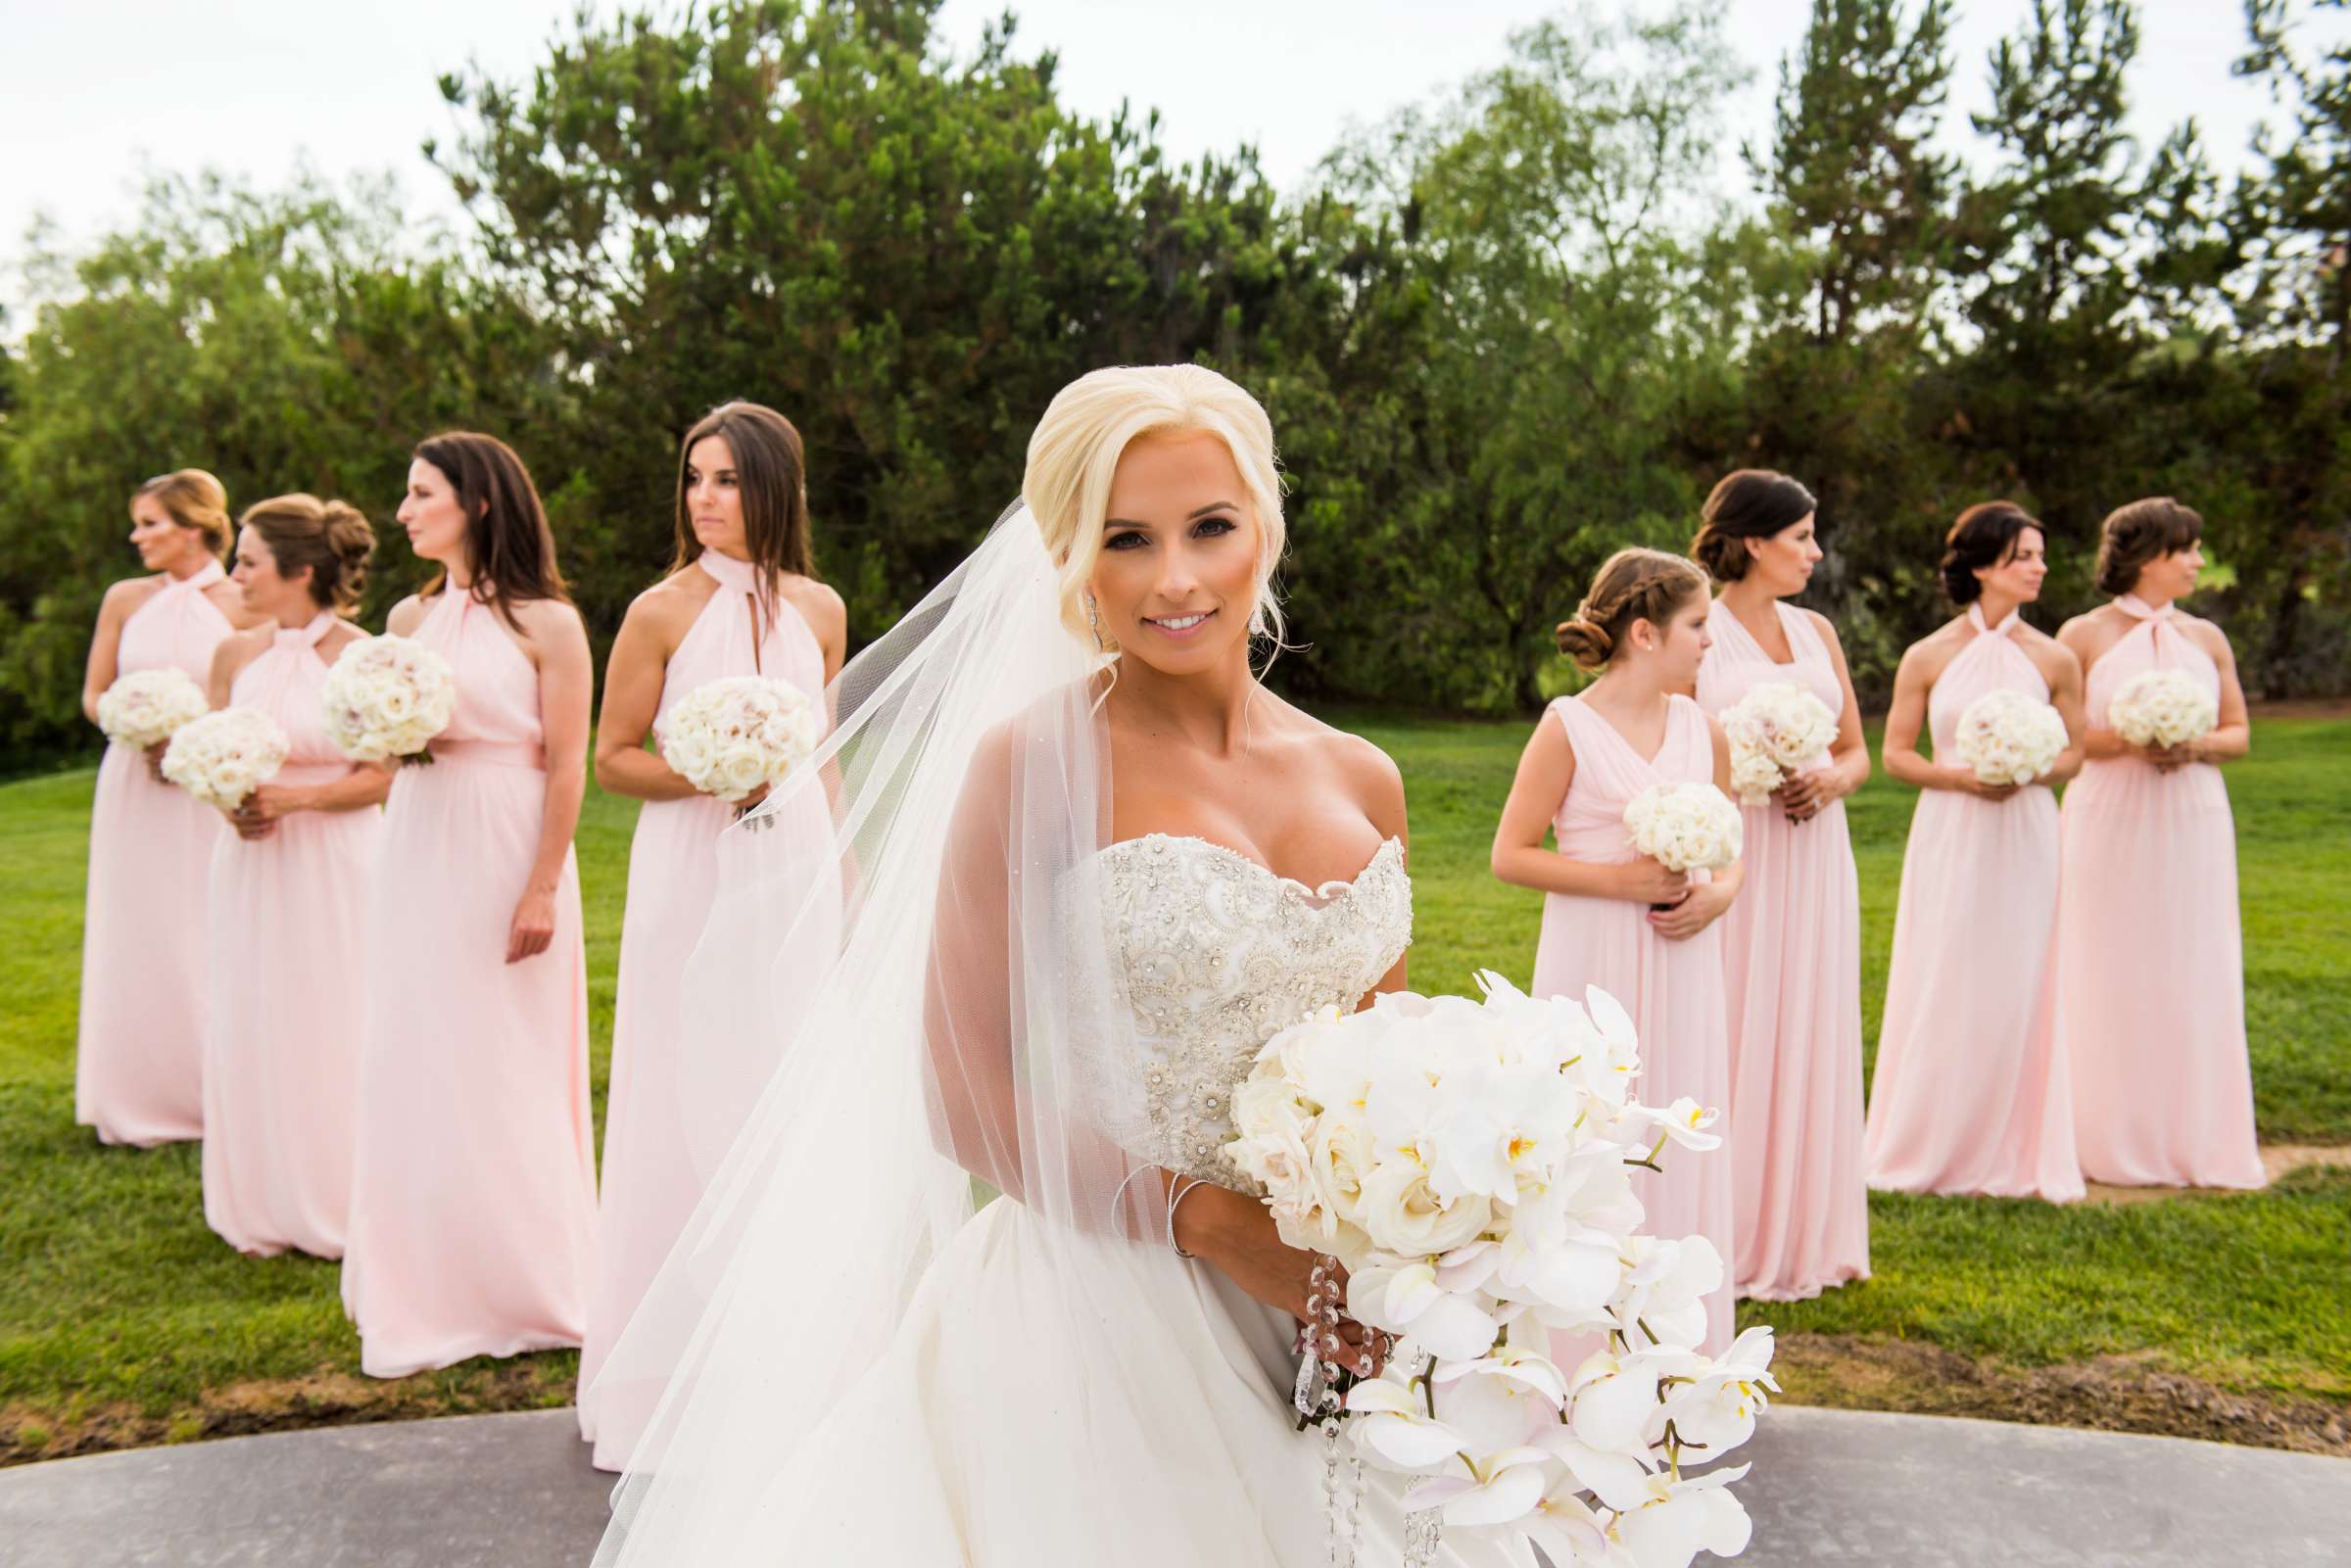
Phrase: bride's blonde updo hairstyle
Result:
[1632,585]
[1088,426]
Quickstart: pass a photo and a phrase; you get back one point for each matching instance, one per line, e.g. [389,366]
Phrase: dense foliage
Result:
[1502,334]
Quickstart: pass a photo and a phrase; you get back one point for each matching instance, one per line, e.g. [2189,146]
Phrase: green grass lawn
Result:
[122,1319]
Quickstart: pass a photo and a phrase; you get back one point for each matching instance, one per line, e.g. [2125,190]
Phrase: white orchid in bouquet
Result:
[1469,1166]
[2162,708]
[143,708]
[731,736]
[222,757]
[1776,731]
[2006,737]
[386,697]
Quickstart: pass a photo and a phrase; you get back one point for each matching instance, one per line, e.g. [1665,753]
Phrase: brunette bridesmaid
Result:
[473,1195]
[741,600]
[1971,1095]
[2150,961]
[138,1067]
[1643,625]
[1792,944]
[289,898]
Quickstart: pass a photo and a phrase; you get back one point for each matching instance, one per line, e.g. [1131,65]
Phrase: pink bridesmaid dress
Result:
[138,1069]
[1972,1095]
[473,1192]
[656,1122]
[1792,979]
[2150,961]
[289,947]
[1673,990]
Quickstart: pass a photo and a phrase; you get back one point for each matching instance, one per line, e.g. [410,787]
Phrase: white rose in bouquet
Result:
[1776,731]
[386,697]
[222,756]
[145,706]
[728,737]
[1685,827]
[2162,708]
[2009,737]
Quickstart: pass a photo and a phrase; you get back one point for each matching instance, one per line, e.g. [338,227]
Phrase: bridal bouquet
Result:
[1776,731]
[2009,737]
[222,756]
[386,697]
[145,706]
[1470,1166]
[730,737]
[1684,827]
[2162,708]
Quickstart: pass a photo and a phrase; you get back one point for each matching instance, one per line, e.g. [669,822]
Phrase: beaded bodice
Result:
[1219,955]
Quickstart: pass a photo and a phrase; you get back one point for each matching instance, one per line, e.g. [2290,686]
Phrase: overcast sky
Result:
[94,91]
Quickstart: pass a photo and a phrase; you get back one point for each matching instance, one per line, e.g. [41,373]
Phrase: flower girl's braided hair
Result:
[1633,585]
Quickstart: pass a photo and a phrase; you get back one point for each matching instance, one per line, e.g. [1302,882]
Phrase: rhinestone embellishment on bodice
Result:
[1219,954]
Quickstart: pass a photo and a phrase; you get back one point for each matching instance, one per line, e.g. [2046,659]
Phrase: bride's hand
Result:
[1232,1232]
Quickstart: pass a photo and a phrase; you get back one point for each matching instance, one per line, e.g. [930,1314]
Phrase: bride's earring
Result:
[1094,621]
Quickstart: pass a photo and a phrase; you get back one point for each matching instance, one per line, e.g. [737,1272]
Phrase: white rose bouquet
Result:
[144,707]
[730,737]
[1470,1164]
[1776,731]
[2009,737]
[386,697]
[1685,827]
[222,756]
[2162,708]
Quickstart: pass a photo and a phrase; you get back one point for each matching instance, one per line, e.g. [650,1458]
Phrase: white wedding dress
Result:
[1218,954]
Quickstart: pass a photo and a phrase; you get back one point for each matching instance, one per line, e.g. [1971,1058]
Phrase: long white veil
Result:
[970,1026]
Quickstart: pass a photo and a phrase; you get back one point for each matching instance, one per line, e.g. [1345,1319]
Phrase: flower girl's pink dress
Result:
[1971,1095]
[289,948]
[473,1201]
[1792,975]
[138,1070]
[2150,962]
[1673,990]
[658,1125]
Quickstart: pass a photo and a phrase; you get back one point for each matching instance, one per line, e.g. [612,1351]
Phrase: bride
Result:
[1097,865]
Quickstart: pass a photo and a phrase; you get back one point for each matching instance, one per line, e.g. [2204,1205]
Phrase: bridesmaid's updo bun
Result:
[1633,585]
[329,537]
[195,500]
[1979,540]
[2139,533]
[1748,504]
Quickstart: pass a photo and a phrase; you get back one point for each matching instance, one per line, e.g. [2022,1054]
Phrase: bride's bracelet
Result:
[1184,1186]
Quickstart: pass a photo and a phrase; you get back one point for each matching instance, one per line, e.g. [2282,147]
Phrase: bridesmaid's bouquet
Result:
[2009,737]
[730,736]
[2162,708]
[1470,1166]
[386,697]
[144,707]
[220,757]
[1776,731]
[1685,827]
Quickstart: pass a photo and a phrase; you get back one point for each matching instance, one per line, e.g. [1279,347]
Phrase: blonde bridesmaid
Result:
[1970,1093]
[1616,919]
[2150,961]
[1792,944]
[289,898]
[473,1195]
[741,599]
[138,1067]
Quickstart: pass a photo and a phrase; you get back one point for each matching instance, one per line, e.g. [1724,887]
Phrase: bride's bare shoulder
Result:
[1368,773]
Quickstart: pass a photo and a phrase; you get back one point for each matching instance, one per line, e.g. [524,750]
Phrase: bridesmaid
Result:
[1792,945]
[2150,962]
[473,1197]
[1971,1096]
[138,1067]
[741,599]
[289,900]
[1644,623]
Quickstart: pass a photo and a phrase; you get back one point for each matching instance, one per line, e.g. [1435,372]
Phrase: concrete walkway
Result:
[1830,1487]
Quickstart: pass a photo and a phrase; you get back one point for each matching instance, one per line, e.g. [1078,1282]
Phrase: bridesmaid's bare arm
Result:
[106,644]
[1707,900]
[1808,794]
[648,635]
[2232,736]
[1546,768]
[405,617]
[557,642]
[2088,638]
[1913,683]
[827,616]
[2066,693]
